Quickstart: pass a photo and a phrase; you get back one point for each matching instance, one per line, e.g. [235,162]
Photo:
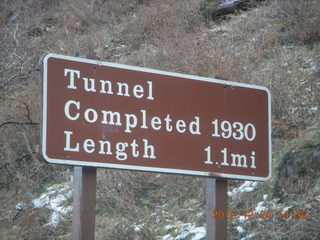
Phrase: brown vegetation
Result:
[276,45]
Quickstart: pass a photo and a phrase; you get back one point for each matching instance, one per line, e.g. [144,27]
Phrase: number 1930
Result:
[236,130]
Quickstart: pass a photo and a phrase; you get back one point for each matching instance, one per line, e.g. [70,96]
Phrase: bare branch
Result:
[19,123]
[7,183]
[12,77]
[15,35]
[28,113]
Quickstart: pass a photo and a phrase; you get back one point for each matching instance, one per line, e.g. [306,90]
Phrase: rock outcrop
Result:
[213,9]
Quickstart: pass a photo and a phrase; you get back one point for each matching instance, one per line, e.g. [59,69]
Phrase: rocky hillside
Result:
[273,43]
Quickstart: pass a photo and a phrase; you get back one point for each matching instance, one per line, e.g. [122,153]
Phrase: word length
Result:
[104,147]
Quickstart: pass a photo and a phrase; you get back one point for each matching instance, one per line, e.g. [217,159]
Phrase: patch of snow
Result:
[308,89]
[167,237]
[260,208]
[21,206]
[265,196]
[168,227]
[242,218]
[138,228]
[302,82]
[200,233]
[308,60]
[185,231]
[220,29]
[240,229]
[121,47]
[248,237]
[199,214]
[117,55]
[286,209]
[228,2]
[293,109]
[274,203]
[289,47]
[247,186]
[314,68]
[53,199]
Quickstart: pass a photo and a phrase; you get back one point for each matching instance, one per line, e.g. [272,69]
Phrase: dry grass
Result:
[299,20]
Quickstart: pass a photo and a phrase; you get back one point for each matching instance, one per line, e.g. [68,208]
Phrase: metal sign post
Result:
[217,203]
[84,203]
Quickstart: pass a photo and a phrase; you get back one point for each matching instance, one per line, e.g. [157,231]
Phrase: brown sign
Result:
[108,115]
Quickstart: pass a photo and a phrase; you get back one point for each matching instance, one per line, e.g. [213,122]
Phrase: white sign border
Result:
[133,167]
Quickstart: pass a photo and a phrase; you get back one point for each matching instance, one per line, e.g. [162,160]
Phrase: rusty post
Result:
[217,200]
[84,203]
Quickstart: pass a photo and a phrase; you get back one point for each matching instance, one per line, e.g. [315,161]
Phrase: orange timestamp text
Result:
[263,214]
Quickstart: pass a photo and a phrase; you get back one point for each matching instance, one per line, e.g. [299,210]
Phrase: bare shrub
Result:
[160,20]
[123,190]
[299,20]
[113,12]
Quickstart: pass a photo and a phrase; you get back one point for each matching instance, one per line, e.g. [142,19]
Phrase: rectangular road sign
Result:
[102,114]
